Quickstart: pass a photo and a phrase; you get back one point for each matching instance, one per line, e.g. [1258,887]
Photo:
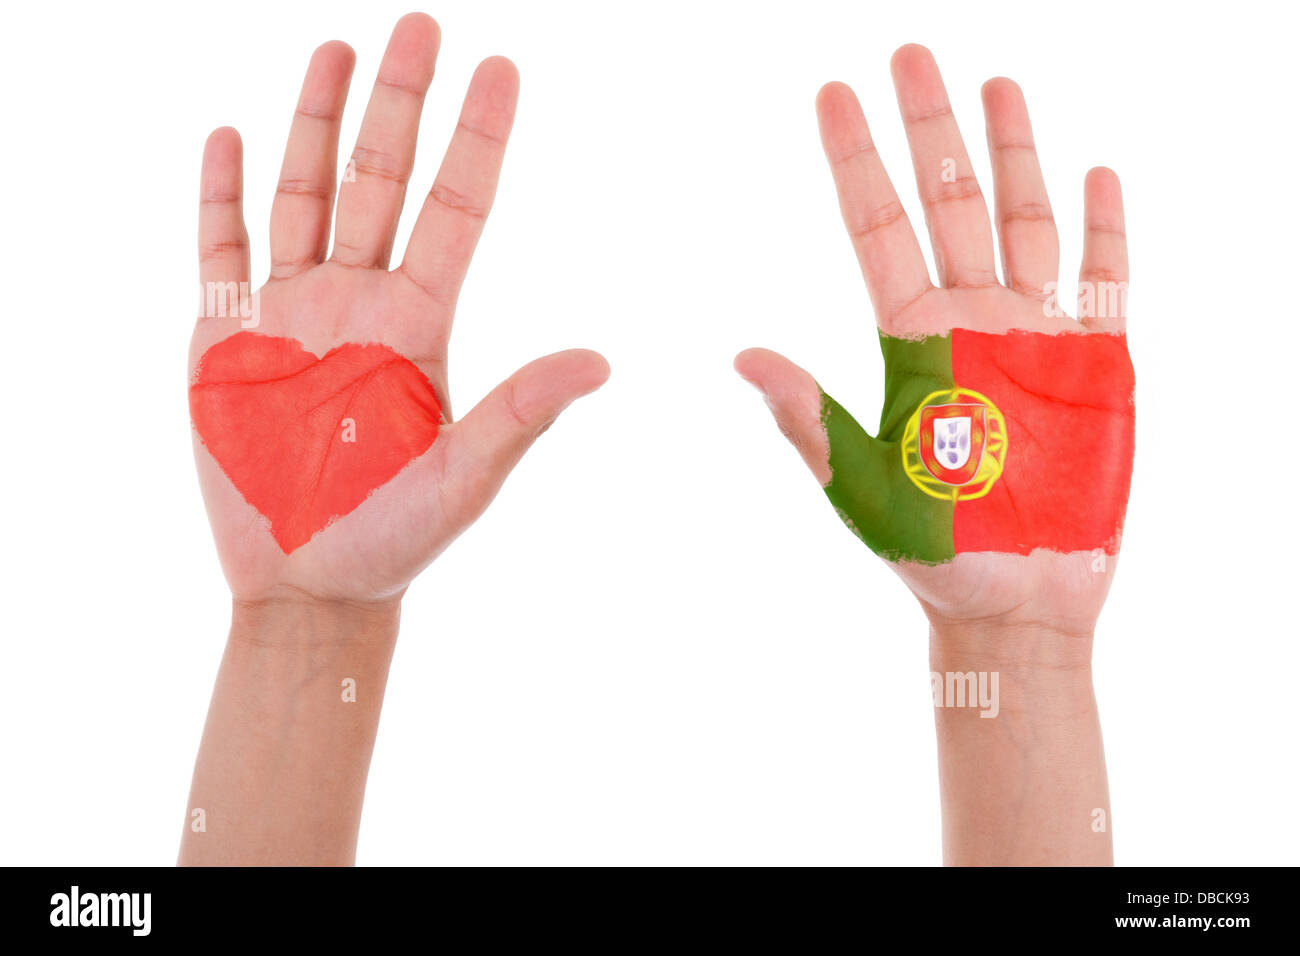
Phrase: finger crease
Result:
[303,187]
[1028,289]
[293,266]
[214,249]
[457,202]
[967,187]
[428,289]
[400,87]
[988,281]
[862,149]
[898,312]
[1106,230]
[1101,274]
[1028,212]
[939,112]
[879,218]
[484,134]
[512,405]
[363,256]
[329,116]
[381,165]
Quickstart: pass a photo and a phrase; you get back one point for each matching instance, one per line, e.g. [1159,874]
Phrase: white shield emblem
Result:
[952,441]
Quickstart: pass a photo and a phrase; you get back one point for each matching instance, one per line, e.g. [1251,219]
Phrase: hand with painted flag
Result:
[332,468]
[997,481]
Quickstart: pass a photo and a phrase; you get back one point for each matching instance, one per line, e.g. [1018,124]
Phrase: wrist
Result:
[281,772]
[1036,667]
[290,648]
[296,623]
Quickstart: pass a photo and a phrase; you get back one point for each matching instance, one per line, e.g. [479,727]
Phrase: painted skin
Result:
[1026,788]
[306,440]
[324,301]
[281,772]
[1061,585]
[1059,479]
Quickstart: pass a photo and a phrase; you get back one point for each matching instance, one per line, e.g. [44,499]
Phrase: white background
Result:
[659,645]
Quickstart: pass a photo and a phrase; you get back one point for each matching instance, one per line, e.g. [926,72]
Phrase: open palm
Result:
[1060,589]
[351,296]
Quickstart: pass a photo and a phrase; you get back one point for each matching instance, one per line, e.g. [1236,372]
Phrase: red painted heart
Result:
[306,440]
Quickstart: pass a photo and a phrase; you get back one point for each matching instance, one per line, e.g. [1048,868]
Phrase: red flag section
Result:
[1068,405]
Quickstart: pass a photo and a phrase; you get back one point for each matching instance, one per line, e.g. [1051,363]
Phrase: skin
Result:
[281,770]
[1022,788]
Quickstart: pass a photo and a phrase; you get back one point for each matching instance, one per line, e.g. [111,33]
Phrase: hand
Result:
[289,446]
[997,482]
[1036,550]
[330,463]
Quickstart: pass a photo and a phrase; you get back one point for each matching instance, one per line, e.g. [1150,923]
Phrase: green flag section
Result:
[989,443]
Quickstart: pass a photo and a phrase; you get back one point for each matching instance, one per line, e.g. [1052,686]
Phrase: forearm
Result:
[1025,785]
[281,770]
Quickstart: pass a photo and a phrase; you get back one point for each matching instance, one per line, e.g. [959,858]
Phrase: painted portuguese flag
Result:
[1004,443]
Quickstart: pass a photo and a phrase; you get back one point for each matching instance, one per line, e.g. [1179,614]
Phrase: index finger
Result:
[882,236]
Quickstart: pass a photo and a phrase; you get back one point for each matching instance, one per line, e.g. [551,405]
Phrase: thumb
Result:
[856,470]
[795,400]
[488,442]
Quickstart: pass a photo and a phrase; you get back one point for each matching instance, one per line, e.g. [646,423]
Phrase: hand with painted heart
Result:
[330,463]
[305,440]
[997,482]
